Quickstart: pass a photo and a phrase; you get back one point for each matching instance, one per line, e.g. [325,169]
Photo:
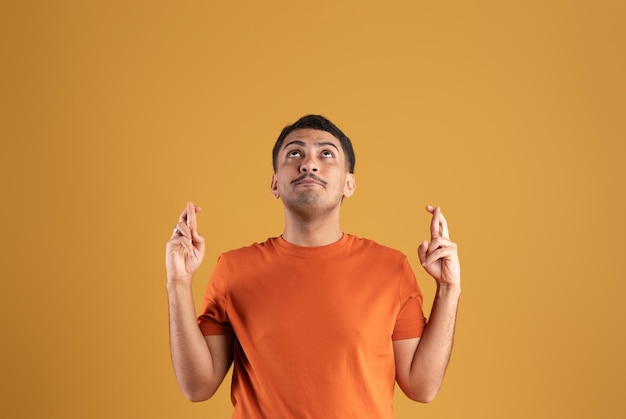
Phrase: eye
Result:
[294,153]
[328,154]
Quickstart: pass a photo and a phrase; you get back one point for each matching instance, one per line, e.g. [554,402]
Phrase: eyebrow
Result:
[302,144]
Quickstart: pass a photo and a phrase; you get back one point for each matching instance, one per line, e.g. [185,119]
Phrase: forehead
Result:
[310,136]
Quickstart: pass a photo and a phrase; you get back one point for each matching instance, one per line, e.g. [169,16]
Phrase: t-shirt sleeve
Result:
[213,319]
[410,322]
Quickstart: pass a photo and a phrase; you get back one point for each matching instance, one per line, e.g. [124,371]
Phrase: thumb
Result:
[421,251]
[198,240]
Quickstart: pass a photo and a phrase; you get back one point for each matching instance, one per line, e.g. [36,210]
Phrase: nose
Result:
[309,165]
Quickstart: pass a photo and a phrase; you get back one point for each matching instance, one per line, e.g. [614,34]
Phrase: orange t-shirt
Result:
[314,326]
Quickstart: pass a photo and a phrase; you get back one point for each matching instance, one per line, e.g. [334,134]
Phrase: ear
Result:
[274,187]
[350,185]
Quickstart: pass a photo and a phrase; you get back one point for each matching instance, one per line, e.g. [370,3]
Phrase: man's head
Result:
[313,165]
[317,122]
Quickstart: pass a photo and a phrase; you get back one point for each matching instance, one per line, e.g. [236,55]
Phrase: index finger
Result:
[435,224]
[444,225]
[183,215]
[191,216]
[438,224]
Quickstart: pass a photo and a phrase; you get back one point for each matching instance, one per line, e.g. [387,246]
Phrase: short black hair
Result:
[320,123]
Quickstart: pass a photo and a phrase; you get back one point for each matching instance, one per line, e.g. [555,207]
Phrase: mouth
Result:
[308,180]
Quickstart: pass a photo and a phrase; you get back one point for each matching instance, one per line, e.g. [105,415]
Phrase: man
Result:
[319,323]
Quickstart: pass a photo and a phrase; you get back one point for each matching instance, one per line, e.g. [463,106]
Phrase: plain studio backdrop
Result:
[509,115]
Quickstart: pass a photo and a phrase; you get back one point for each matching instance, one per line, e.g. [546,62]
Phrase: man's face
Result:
[311,171]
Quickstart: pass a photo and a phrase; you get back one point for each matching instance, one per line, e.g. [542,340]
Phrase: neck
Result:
[305,231]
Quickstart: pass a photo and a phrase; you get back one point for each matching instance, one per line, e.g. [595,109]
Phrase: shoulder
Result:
[373,248]
[255,249]
[378,261]
[247,258]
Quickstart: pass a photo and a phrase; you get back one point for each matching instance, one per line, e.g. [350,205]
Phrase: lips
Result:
[309,180]
[308,184]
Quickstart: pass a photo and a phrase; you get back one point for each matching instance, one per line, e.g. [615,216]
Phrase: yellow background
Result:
[510,115]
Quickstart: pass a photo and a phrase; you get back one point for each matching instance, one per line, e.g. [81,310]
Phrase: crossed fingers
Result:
[438,224]
[440,246]
[187,225]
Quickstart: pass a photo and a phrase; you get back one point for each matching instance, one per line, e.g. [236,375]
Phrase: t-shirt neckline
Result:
[313,250]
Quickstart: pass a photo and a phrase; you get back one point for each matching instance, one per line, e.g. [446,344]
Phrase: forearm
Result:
[191,357]
[435,347]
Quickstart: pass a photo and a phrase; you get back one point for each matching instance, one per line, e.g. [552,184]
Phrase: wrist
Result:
[178,284]
[448,290]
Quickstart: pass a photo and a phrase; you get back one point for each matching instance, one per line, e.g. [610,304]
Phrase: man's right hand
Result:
[185,249]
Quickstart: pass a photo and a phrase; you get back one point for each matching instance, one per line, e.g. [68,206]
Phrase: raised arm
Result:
[200,362]
[421,362]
